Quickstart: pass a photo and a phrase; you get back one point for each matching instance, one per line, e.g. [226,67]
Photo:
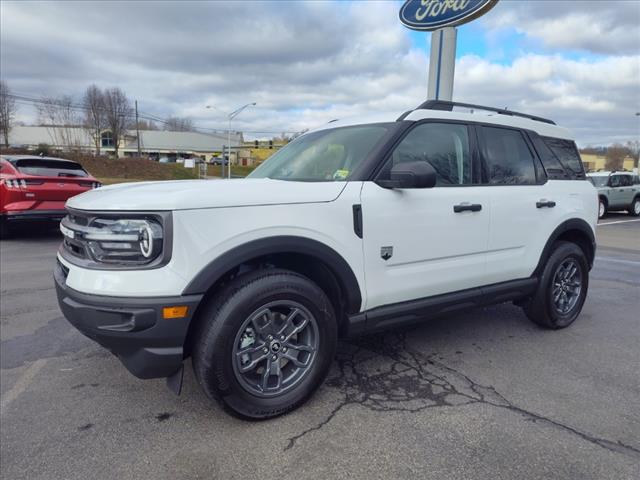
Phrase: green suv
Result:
[617,191]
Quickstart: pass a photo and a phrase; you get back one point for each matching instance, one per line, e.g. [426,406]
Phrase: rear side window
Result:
[444,145]
[509,160]
[626,181]
[553,167]
[567,154]
[49,168]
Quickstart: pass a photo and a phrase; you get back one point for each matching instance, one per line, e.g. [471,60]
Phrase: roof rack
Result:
[448,107]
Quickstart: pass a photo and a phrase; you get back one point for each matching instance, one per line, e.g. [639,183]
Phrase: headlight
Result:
[124,241]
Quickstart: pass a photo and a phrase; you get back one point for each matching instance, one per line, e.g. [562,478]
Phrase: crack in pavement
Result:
[413,382]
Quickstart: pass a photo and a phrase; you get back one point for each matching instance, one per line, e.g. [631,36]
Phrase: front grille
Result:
[75,246]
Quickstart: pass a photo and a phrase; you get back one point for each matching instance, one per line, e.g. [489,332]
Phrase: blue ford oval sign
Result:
[429,15]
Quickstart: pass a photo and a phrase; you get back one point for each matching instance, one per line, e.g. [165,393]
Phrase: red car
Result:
[36,188]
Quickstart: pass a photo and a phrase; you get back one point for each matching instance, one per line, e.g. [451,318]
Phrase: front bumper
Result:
[133,329]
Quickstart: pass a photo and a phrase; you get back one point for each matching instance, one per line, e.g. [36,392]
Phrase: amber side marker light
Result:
[175,312]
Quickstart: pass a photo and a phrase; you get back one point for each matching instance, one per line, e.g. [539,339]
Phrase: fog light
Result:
[175,312]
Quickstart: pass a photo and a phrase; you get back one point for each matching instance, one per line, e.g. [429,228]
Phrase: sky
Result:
[307,62]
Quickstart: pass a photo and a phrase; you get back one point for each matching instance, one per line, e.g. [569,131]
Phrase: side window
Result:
[444,145]
[567,153]
[509,160]
[627,180]
[615,181]
[551,164]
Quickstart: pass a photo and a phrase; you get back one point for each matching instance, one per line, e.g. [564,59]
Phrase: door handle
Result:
[467,207]
[621,190]
[545,203]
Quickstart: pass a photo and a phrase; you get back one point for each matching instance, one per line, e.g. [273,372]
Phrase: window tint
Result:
[509,159]
[49,168]
[615,181]
[444,145]
[636,180]
[551,164]
[626,181]
[567,153]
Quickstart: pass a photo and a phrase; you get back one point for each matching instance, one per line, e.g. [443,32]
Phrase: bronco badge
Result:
[386,253]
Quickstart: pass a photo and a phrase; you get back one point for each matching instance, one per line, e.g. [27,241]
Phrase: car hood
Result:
[191,194]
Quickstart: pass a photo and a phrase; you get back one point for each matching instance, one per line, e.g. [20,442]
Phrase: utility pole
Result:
[138,130]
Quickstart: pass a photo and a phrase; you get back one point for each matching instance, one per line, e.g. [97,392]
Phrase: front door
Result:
[424,242]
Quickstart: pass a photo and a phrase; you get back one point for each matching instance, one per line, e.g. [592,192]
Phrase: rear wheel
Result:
[634,209]
[562,289]
[5,228]
[265,344]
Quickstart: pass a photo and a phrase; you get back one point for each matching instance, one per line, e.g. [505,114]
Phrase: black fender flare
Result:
[574,224]
[217,268]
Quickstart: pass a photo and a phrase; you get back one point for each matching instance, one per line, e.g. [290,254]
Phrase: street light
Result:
[231,116]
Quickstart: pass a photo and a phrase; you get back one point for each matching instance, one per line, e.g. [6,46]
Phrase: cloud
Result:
[601,27]
[306,63]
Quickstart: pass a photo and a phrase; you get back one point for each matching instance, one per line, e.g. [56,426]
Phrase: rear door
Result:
[524,205]
[628,189]
[418,242]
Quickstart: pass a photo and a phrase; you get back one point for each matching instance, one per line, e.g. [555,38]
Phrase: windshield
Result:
[599,181]
[324,156]
[49,168]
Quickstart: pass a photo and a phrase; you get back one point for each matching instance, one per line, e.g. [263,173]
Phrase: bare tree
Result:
[94,117]
[634,148]
[179,124]
[7,111]
[61,117]
[615,157]
[147,125]
[118,112]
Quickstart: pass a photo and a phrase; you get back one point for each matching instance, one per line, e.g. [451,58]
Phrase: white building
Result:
[156,144]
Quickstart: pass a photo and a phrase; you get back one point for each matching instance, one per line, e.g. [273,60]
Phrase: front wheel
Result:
[634,210]
[265,344]
[562,288]
[602,208]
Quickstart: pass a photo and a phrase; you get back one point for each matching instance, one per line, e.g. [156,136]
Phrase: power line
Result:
[28,100]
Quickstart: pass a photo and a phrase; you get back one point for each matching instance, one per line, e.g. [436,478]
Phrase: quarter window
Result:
[567,153]
[444,145]
[508,157]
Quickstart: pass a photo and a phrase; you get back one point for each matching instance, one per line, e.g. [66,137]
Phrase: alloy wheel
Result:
[275,348]
[567,286]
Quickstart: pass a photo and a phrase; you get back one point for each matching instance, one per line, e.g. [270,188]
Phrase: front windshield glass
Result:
[323,156]
[599,181]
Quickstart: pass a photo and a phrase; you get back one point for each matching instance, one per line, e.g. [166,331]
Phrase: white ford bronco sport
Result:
[358,226]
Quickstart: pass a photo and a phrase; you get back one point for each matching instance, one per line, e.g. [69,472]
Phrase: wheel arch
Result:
[303,255]
[576,231]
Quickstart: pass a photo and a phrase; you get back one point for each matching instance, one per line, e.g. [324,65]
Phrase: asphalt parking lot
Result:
[485,394]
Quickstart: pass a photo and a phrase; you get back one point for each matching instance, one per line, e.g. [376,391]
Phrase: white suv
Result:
[355,227]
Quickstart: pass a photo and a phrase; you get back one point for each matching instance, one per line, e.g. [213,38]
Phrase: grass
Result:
[236,170]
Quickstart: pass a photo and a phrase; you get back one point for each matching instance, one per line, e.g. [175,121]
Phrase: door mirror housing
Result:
[410,175]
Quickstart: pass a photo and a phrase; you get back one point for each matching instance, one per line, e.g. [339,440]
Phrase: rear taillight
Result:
[15,183]
[96,184]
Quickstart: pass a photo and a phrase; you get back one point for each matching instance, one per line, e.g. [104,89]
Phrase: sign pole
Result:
[442,64]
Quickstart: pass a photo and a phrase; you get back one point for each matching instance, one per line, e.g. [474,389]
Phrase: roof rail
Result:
[448,107]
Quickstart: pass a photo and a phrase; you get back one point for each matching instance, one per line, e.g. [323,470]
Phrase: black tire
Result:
[216,344]
[5,229]
[634,209]
[602,208]
[541,308]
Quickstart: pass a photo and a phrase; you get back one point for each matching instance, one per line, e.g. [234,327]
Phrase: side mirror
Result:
[410,175]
